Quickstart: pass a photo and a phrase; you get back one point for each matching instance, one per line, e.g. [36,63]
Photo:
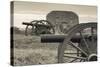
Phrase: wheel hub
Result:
[92,57]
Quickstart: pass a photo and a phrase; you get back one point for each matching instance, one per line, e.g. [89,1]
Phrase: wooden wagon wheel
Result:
[36,25]
[48,28]
[27,27]
[87,47]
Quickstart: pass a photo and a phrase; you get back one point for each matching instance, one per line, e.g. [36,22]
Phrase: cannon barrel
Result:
[60,38]
[25,23]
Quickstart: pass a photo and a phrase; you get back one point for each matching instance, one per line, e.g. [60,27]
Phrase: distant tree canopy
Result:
[17,30]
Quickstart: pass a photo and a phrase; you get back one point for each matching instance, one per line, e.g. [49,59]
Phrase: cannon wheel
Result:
[45,31]
[26,30]
[38,32]
[90,54]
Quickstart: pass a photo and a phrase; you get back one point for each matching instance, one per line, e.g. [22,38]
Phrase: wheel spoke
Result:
[75,57]
[72,53]
[84,41]
[92,34]
[70,43]
[73,60]
[26,30]
[82,60]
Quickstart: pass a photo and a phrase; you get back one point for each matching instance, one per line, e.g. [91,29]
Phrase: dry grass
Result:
[34,56]
[29,51]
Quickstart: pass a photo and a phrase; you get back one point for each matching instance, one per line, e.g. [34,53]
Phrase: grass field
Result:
[29,51]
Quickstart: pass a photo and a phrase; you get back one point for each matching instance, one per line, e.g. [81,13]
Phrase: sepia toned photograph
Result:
[52,33]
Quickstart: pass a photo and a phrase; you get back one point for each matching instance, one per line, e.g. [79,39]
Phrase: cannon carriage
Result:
[84,50]
[78,42]
[39,27]
[57,22]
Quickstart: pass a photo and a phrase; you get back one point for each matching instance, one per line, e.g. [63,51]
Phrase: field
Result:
[29,51]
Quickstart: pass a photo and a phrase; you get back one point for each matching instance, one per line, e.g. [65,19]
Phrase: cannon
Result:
[78,42]
[60,38]
[78,45]
[57,22]
[39,27]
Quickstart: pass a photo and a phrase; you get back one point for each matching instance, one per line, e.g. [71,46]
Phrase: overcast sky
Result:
[28,11]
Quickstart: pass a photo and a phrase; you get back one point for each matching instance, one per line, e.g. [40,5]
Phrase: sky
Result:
[28,11]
